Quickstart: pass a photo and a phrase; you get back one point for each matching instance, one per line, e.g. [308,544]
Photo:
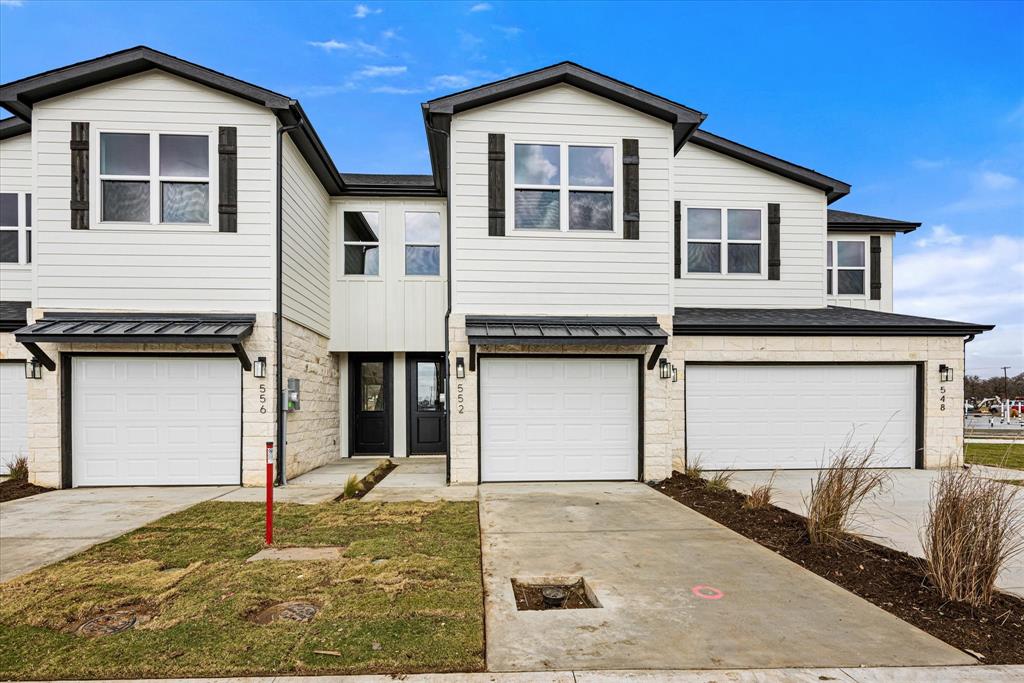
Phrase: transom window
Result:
[176,165]
[844,267]
[564,187]
[15,227]
[362,242]
[422,243]
[736,249]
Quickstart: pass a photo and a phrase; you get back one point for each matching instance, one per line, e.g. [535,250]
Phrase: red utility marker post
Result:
[270,493]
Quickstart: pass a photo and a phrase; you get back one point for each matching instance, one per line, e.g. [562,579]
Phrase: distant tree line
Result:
[976,387]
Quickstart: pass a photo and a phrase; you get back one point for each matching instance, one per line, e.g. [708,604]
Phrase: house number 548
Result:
[942,398]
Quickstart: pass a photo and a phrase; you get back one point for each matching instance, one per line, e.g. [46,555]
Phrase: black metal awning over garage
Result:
[137,328]
[564,331]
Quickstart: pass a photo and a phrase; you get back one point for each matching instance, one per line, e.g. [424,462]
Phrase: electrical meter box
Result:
[292,399]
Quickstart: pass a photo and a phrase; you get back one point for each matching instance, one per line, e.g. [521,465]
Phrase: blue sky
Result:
[920,106]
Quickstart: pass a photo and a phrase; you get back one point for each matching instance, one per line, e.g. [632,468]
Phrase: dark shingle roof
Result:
[12,127]
[849,221]
[564,330]
[834,320]
[184,328]
[12,314]
[390,184]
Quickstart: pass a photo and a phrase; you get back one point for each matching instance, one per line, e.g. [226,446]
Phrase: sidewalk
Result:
[917,674]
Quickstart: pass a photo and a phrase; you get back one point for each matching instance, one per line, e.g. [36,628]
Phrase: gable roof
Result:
[12,127]
[389,184]
[19,96]
[437,113]
[847,221]
[834,189]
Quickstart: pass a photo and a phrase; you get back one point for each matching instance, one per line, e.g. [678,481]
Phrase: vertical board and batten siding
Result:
[559,274]
[153,267]
[392,312]
[16,176]
[703,178]
[885,304]
[305,244]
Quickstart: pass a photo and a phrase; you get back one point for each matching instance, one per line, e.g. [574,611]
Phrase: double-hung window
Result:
[724,241]
[15,227]
[155,178]
[845,267]
[422,243]
[563,187]
[361,243]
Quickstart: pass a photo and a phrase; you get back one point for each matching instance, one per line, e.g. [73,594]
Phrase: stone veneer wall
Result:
[313,430]
[658,395]
[44,405]
[943,429]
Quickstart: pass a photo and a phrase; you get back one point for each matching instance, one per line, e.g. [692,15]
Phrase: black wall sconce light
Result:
[945,373]
[460,368]
[259,367]
[33,369]
[665,368]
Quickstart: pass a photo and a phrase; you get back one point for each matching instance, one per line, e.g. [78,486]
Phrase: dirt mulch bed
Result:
[890,579]
[367,483]
[13,490]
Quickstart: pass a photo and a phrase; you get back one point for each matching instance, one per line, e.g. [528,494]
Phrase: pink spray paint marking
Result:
[707,592]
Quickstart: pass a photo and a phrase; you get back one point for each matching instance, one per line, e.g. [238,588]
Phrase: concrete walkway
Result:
[316,486]
[677,590]
[893,518]
[48,527]
[418,477]
[931,674]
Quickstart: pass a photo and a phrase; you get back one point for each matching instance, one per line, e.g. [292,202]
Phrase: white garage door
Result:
[13,413]
[797,416]
[547,419]
[140,420]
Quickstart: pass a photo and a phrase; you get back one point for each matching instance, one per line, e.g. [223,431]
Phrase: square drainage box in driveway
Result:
[553,592]
[676,591]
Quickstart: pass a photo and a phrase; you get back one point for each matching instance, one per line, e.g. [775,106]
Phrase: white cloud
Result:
[993,180]
[11,3]
[1016,115]
[975,281]
[940,235]
[395,90]
[376,71]
[481,7]
[356,46]
[362,11]
[321,90]
[468,41]
[930,164]
[389,34]
[509,31]
[449,81]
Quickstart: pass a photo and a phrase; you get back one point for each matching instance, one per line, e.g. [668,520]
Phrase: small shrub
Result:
[18,468]
[693,470]
[352,487]
[838,491]
[719,481]
[972,531]
[760,495]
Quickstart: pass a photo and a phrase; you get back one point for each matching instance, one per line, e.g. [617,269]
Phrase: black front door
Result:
[427,430]
[370,403]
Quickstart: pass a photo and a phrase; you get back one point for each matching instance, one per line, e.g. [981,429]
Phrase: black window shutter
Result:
[631,189]
[495,184]
[774,242]
[227,150]
[79,176]
[678,231]
[876,268]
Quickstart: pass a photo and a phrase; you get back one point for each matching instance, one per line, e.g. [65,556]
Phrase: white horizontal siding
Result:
[16,176]
[559,274]
[705,178]
[392,312]
[305,244]
[885,303]
[154,267]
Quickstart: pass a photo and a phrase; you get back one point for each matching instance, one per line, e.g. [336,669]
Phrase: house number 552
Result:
[460,399]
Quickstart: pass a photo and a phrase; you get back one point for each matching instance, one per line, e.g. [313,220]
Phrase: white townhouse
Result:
[589,286]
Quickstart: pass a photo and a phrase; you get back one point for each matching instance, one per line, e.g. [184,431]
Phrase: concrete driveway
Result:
[43,529]
[646,557]
[893,517]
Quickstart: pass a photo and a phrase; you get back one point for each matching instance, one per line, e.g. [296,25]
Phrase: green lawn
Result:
[405,597]
[996,454]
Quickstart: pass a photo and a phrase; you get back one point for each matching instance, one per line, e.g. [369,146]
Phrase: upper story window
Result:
[844,267]
[724,241]
[422,243]
[562,187]
[362,243]
[15,227]
[154,178]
